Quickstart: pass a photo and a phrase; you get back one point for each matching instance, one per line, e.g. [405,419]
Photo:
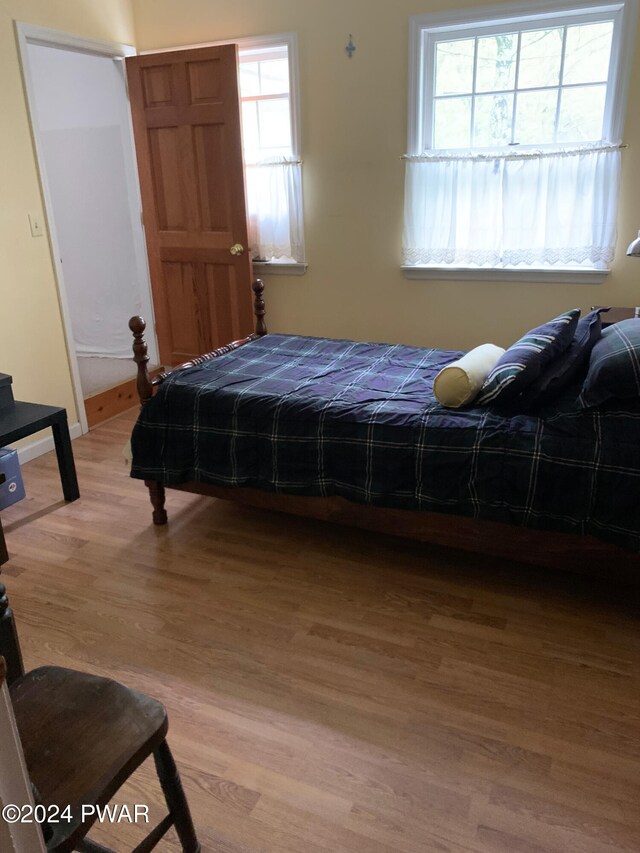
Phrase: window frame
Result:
[265,42]
[426,30]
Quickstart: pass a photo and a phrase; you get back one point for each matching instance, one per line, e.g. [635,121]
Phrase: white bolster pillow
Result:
[459,382]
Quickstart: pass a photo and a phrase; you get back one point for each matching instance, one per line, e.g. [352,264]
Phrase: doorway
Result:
[81,123]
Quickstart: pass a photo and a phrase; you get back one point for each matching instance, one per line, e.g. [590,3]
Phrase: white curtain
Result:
[535,208]
[274,201]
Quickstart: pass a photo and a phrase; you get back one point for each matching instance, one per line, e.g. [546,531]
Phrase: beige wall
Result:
[32,346]
[353,133]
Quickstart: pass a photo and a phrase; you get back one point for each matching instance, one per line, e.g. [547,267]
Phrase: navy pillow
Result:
[564,369]
[614,366]
[523,362]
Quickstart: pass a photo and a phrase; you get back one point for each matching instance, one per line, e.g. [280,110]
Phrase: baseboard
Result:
[106,405]
[43,445]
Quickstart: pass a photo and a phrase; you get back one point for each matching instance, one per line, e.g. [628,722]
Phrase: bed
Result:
[350,432]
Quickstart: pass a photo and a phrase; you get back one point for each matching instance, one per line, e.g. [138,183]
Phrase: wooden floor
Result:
[330,690]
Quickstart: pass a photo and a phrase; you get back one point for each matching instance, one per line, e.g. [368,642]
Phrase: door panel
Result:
[185,109]
[165,164]
[180,283]
[209,145]
[204,81]
[156,84]
[205,304]
[230,316]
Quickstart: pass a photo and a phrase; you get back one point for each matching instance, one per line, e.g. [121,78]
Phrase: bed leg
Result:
[156,493]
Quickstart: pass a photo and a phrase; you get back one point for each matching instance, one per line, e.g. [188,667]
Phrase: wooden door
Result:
[186,122]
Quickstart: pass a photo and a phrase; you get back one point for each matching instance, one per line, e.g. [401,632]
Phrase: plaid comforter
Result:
[311,416]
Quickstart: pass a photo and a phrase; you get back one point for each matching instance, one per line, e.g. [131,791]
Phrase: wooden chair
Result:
[82,737]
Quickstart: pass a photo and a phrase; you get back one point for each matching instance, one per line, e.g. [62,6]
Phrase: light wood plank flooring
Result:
[332,690]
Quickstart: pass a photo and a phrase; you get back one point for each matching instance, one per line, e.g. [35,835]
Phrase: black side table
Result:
[23,419]
[18,420]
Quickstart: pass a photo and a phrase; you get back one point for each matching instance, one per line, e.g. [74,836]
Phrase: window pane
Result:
[588,52]
[581,113]
[275,129]
[249,79]
[452,123]
[496,62]
[535,117]
[492,121]
[250,135]
[540,55]
[274,76]
[454,67]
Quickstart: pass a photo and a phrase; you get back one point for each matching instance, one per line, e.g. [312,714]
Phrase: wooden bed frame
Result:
[583,554]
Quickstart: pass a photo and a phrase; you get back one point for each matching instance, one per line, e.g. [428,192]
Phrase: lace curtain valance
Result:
[534,208]
[274,208]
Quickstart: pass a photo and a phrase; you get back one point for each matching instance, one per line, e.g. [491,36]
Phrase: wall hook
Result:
[350,48]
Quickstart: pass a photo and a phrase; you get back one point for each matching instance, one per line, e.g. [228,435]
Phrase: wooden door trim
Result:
[113,401]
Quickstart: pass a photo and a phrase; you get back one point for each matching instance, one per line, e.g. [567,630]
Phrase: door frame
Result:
[33,34]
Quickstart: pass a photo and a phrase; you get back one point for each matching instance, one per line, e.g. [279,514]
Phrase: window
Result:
[514,137]
[268,93]
[266,110]
[528,87]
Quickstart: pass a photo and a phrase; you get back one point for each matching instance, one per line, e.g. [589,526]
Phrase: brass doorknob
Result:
[237,249]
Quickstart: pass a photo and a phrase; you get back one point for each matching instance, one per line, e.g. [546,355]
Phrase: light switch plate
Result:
[35,221]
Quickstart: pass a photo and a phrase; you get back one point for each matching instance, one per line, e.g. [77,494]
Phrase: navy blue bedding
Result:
[311,416]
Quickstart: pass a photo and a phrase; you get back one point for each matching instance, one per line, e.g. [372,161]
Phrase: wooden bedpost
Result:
[145,392]
[258,307]
[141,358]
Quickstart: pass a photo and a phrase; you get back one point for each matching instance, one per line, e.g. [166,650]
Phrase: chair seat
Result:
[82,737]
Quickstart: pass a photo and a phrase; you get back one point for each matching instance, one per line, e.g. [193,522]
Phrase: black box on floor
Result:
[12,489]
[6,391]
